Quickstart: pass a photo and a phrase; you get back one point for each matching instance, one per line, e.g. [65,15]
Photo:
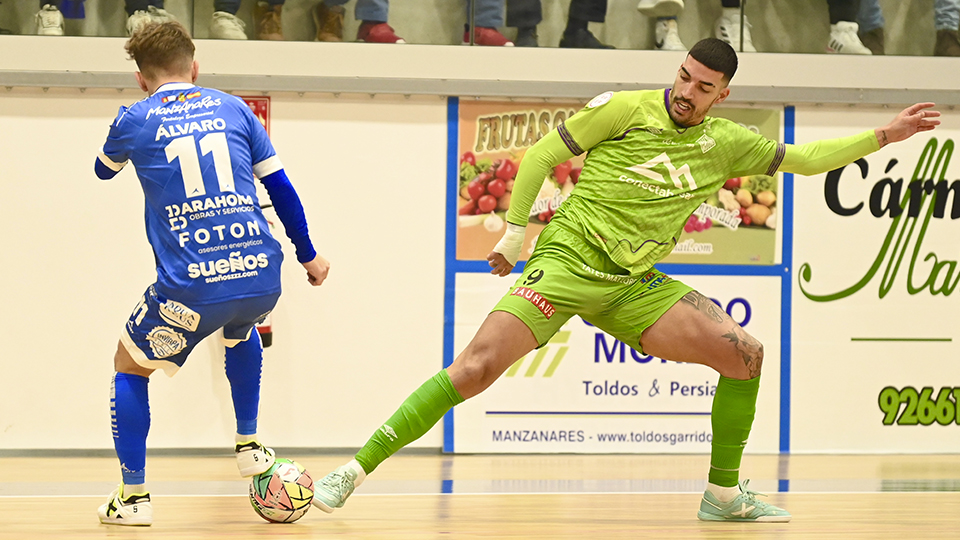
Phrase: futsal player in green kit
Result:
[654,156]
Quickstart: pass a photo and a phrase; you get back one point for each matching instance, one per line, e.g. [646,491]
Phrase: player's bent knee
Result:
[759,357]
[743,360]
[124,363]
[752,359]
[474,371]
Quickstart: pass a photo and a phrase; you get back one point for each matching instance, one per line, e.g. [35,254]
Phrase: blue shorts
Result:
[161,332]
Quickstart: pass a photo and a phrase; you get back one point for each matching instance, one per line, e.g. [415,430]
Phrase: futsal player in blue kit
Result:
[196,152]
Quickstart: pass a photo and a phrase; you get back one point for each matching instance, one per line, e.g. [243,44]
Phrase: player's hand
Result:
[499,264]
[317,270]
[912,120]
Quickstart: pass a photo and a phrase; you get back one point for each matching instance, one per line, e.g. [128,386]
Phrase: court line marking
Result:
[498,494]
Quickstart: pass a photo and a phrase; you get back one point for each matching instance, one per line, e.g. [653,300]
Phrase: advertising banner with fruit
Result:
[493,139]
[738,224]
[584,391]
[735,226]
[874,313]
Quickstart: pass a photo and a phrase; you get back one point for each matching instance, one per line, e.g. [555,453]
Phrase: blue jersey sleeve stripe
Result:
[267,167]
[111,164]
[102,171]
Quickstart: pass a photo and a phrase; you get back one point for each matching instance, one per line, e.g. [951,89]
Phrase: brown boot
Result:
[947,43]
[873,40]
[267,19]
[329,21]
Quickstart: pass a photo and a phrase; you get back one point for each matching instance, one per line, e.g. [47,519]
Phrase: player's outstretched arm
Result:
[818,157]
[317,270]
[910,121]
[547,153]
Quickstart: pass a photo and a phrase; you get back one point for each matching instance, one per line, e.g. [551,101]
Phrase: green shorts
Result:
[566,276]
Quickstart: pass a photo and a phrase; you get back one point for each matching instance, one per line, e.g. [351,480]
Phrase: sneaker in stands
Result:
[49,21]
[844,39]
[483,35]
[668,36]
[660,8]
[377,32]
[152,14]
[227,26]
[727,28]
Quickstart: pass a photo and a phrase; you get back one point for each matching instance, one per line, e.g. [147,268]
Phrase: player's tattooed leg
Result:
[749,348]
[704,304]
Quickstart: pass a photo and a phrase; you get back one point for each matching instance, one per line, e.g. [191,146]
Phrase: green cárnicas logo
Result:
[925,198]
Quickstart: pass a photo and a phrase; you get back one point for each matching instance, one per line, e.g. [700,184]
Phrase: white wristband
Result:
[512,242]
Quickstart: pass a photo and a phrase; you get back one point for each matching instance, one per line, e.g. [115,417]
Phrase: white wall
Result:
[371,175]
[778,25]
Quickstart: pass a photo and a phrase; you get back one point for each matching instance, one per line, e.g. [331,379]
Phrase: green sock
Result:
[734,407]
[424,408]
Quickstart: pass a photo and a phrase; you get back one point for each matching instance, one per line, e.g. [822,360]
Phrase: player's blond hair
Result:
[161,49]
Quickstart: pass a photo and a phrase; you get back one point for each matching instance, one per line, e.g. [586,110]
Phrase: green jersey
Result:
[644,175]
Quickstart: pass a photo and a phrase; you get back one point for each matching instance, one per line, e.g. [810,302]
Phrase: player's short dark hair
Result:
[717,55]
[161,49]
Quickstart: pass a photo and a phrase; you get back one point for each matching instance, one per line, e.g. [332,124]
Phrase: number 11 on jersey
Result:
[185,149]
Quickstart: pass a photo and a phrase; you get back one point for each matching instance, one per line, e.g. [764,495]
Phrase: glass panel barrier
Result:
[860,27]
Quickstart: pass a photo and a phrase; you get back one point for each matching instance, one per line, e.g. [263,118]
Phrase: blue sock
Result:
[243,364]
[130,419]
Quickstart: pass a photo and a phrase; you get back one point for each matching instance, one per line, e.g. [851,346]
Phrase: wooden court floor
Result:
[528,496]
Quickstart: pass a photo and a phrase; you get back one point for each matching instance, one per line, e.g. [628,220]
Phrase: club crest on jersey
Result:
[600,100]
[165,341]
[180,315]
[706,143]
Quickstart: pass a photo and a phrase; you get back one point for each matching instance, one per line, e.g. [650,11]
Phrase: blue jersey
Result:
[196,151]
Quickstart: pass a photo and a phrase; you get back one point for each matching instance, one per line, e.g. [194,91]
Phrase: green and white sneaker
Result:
[134,509]
[745,507]
[332,491]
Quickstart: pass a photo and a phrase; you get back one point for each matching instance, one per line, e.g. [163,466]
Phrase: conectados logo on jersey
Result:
[234,263]
[178,107]
[924,198]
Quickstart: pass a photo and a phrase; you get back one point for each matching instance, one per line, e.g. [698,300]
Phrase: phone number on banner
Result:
[919,406]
